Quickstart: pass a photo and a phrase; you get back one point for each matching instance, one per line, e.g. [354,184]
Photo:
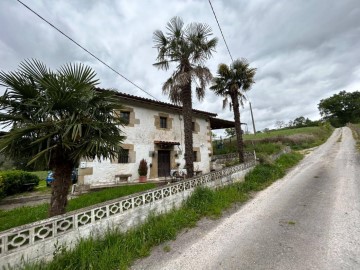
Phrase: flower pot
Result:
[142,179]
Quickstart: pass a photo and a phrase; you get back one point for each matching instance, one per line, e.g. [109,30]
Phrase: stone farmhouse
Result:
[154,132]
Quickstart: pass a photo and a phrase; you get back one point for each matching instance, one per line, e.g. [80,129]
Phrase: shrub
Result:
[12,182]
[143,169]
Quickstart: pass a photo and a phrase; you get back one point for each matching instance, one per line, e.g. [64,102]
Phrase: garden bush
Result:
[12,182]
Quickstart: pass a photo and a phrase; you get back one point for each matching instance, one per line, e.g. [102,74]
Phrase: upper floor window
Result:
[125,117]
[123,156]
[195,155]
[163,122]
[193,126]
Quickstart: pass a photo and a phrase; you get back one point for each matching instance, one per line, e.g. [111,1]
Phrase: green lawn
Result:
[28,214]
[41,174]
[42,184]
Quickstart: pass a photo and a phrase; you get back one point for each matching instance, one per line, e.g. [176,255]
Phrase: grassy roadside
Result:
[355,128]
[24,215]
[118,250]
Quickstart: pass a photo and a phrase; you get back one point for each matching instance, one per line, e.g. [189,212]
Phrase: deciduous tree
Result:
[341,108]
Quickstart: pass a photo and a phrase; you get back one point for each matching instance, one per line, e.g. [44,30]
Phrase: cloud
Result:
[304,51]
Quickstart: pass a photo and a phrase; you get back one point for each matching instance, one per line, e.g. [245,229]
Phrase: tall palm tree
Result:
[231,82]
[57,118]
[188,47]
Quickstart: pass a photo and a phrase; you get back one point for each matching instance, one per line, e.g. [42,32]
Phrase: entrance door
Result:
[163,163]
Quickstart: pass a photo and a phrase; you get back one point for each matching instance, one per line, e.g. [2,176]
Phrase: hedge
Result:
[12,182]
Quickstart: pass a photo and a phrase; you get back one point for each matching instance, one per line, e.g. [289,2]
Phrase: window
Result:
[125,117]
[195,155]
[123,156]
[163,122]
[193,126]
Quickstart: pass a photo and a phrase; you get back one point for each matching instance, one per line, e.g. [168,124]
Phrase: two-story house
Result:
[155,132]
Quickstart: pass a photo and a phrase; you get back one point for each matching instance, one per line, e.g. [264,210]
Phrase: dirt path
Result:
[307,220]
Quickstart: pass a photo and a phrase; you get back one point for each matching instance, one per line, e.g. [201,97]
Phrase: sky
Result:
[304,51]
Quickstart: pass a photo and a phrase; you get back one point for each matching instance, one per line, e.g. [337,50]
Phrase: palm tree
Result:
[57,118]
[232,82]
[188,47]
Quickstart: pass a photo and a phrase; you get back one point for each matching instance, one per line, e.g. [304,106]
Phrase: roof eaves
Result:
[154,102]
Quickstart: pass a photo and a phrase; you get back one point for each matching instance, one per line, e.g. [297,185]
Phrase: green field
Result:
[272,142]
[282,133]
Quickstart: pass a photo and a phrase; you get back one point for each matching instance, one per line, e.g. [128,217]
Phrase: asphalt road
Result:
[310,219]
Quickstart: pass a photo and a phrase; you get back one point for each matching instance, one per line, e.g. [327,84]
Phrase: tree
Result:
[267,130]
[230,132]
[290,124]
[57,118]
[299,121]
[279,124]
[231,82]
[341,108]
[188,47]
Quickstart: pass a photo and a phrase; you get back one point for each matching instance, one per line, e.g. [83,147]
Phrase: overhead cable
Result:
[94,56]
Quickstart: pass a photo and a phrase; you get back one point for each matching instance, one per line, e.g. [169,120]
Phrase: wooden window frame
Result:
[126,120]
[123,157]
[163,122]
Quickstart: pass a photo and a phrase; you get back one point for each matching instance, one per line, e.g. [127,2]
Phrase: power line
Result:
[97,58]
[232,60]
[227,47]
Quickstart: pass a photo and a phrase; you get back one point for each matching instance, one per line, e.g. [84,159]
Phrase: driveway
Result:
[310,219]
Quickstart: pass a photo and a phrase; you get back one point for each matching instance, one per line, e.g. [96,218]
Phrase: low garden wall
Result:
[248,156]
[42,239]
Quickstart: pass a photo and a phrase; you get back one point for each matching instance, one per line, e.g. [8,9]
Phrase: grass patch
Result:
[339,139]
[42,187]
[24,215]
[282,132]
[117,250]
[355,128]
[105,195]
[167,248]
[291,222]
[41,174]
[266,144]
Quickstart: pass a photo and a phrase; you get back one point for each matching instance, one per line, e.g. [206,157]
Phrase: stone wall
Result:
[41,239]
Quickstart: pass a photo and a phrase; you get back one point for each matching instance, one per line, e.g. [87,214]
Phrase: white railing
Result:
[27,235]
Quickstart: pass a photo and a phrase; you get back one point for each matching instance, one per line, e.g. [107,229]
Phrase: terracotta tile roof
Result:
[155,102]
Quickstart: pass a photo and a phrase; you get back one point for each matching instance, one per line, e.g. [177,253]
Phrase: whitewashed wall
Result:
[142,135]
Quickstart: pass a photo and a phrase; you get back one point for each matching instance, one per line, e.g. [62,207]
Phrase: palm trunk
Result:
[62,169]
[239,140]
[187,114]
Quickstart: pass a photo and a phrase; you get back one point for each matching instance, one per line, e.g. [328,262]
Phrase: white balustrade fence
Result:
[37,240]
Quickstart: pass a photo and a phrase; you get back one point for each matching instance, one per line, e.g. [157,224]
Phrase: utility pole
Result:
[252,118]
